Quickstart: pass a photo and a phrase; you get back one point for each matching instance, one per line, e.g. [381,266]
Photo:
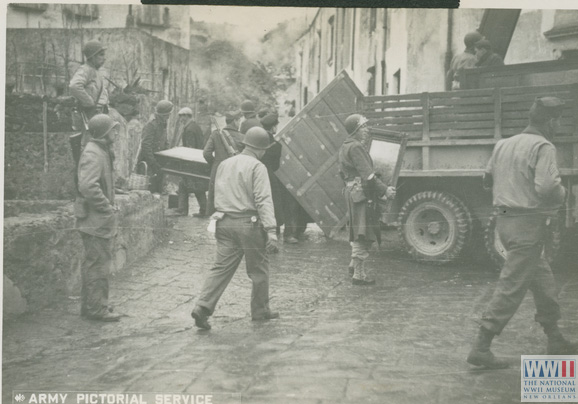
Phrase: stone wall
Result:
[43,252]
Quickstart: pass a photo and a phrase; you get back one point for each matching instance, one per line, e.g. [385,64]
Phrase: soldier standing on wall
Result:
[88,87]
[154,139]
[362,189]
[527,189]
[193,137]
[465,60]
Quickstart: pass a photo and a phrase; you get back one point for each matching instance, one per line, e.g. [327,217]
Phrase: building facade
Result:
[401,51]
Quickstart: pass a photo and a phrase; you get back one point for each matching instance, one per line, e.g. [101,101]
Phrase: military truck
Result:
[441,204]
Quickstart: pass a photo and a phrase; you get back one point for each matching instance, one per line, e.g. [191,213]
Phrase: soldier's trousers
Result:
[238,237]
[523,236]
[95,272]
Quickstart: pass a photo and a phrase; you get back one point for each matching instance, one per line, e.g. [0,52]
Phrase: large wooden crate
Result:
[311,141]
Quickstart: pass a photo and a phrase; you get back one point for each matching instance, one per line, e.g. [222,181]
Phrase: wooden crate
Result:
[311,141]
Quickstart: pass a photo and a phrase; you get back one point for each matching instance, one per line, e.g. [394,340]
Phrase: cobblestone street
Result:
[402,341]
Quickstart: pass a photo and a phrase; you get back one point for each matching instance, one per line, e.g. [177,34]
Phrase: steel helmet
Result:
[247,106]
[164,108]
[186,111]
[354,122]
[99,125]
[257,138]
[471,38]
[91,48]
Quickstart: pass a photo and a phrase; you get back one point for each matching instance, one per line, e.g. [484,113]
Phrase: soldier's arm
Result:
[547,181]
[488,179]
[89,171]
[362,163]
[209,149]
[78,88]
[147,146]
[263,197]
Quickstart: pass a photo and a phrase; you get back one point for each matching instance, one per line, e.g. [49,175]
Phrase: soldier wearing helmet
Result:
[485,57]
[95,216]
[192,136]
[154,139]
[465,60]
[527,192]
[362,189]
[221,145]
[250,116]
[245,227]
[88,84]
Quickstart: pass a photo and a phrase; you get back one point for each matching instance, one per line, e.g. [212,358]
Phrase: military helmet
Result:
[471,38]
[91,48]
[247,106]
[164,108]
[257,138]
[354,122]
[99,125]
[186,111]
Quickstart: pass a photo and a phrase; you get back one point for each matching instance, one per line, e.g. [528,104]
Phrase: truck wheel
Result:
[434,226]
[497,251]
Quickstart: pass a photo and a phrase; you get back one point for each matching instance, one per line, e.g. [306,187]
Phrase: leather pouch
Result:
[357,194]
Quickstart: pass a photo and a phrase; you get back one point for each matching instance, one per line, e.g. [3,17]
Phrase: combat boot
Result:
[351,267]
[557,344]
[201,317]
[359,276]
[480,355]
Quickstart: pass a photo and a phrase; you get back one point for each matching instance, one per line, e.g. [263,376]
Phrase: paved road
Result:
[402,341]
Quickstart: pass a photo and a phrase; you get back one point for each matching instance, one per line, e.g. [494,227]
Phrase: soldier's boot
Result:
[183,208]
[480,355]
[359,276]
[557,344]
[202,200]
[351,267]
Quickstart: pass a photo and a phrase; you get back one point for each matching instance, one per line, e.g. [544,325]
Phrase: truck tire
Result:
[435,226]
[497,251]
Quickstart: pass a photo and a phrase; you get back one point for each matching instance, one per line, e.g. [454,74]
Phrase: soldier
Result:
[246,228]
[193,137]
[88,86]
[221,145]
[95,217]
[484,55]
[465,60]
[527,191]
[154,139]
[362,189]
[251,120]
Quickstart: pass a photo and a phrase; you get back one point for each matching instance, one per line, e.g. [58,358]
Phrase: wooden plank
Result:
[480,92]
[534,89]
[465,133]
[398,128]
[531,97]
[450,117]
[392,113]
[393,104]
[320,171]
[459,109]
[463,125]
[401,120]
[497,113]
[567,123]
[451,142]
[462,101]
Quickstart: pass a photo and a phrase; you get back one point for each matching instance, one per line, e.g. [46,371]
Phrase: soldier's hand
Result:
[390,192]
[272,245]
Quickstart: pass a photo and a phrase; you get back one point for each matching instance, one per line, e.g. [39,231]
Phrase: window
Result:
[330,40]
[397,82]
[372,19]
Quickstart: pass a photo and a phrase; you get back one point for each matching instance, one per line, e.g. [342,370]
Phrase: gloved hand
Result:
[272,245]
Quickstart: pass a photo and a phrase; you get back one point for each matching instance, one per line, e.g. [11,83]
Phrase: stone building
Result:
[399,51]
